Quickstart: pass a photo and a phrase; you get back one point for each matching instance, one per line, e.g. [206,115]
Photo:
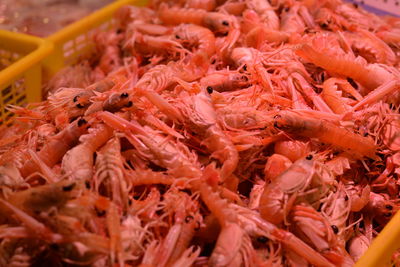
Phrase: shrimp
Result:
[202,117]
[333,97]
[110,178]
[222,81]
[327,132]
[275,166]
[44,197]
[358,245]
[266,13]
[199,36]
[279,195]
[215,21]
[231,248]
[256,227]
[153,146]
[308,221]
[336,210]
[78,161]
[57,146]
[187,220]
[292,149]
[368,76]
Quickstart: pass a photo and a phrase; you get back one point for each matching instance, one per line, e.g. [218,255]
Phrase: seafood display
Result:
[210,133]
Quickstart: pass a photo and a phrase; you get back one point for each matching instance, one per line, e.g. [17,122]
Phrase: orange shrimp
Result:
[275,166]
[366,75]
[292,149]
[222,81]
[215,21]
[327,132]
[199,36]
[333,97]
[58,145]
[278,196]
[110,178]
[312,224]
[78,161]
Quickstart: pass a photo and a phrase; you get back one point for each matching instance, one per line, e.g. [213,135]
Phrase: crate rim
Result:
[13,71]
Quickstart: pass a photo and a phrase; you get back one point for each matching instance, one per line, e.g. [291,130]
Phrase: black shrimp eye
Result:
[210,89]
[188,218]
[245,67]
[68,187]
[262,239]
[81,122]
[129,104]
[75,98]
[335,229]
[124,95]
[87,184]
[309,157]
[389,207]
[346,198]
[389,214]
[177,36]
[119,30]
[80,105]
[225,23]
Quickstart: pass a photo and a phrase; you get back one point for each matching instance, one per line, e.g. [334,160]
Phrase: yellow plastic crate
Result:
[23,81]
[76,39]
[21,57]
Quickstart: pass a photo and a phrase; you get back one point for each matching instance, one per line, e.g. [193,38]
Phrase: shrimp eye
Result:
[100,213]
[309,157]
[188,218]
[262,239]
[129,104]
[286,9]
[389,207]
[81,122]
[245,67]
[225,23]
[119,30]
[324,25]
[75,98]
[87,184]
[124,95]
[177,36]
[346,198]
[209,89]
[355,5]
[387,214]
[68,187]
[80,105]
[335,229]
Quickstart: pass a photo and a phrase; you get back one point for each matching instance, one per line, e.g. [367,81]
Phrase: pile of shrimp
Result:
[210,133]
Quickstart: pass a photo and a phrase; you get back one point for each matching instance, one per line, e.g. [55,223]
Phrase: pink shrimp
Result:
[78,161]
[199,36]
[58,145]
[366,75]
[326,132]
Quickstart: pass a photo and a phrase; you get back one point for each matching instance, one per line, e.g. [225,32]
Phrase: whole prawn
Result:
[292,122]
